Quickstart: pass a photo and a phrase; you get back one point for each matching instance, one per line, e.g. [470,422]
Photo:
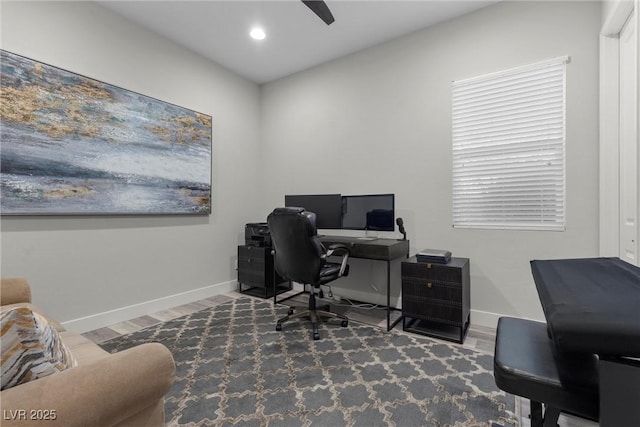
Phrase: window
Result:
[509,148]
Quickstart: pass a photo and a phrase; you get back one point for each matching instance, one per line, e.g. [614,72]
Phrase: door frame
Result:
[617,12]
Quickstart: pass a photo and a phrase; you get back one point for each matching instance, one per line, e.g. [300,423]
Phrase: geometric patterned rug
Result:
[233,368]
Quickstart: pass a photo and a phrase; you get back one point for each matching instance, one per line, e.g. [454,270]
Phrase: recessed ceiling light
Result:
[257,33]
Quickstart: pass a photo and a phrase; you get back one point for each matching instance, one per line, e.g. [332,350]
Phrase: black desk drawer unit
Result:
[436,298]
[255,270]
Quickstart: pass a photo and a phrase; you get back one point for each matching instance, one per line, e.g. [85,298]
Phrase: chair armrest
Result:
[338,249]
[14,290]
[99,394]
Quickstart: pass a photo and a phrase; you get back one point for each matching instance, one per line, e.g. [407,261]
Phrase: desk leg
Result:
[388,295]
[390,325]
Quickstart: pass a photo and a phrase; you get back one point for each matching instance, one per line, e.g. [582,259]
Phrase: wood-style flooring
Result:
[479,338]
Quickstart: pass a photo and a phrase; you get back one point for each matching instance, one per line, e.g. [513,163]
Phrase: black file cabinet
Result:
[436,298]
[256,271]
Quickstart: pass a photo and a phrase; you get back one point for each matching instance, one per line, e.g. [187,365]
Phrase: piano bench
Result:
[526,363]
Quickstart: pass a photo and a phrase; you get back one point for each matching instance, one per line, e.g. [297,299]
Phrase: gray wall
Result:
[82,266]
[375,121]
[380,121]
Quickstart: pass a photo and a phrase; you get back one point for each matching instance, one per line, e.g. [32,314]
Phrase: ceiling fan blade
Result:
[321,9]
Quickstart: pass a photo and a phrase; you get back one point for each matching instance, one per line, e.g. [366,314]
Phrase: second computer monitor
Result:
[368,212]
[327,207]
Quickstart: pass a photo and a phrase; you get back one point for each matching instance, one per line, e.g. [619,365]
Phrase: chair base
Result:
[314,314]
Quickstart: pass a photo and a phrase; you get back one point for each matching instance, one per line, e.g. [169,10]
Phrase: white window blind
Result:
[509,148]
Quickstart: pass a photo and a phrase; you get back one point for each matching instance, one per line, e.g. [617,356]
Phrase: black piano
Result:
[586,359]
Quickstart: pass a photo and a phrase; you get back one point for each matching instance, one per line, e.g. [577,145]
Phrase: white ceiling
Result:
[296,38]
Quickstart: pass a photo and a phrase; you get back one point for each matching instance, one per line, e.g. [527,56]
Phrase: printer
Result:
[257,234]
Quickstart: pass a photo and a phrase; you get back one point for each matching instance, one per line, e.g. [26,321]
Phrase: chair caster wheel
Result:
[316,336]
[290,312]
[345,323]
[278,327]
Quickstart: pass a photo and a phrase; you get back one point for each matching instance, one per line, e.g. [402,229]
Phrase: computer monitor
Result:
[327,207]
[368,212]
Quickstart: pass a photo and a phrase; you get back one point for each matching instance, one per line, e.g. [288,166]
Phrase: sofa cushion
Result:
[84,350]
[31,348]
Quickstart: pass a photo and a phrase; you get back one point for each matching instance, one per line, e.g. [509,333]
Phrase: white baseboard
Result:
[485,318]
[478,317]
[111,317]
[370,297]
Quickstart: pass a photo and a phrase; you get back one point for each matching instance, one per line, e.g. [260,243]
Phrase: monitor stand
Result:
[369,235]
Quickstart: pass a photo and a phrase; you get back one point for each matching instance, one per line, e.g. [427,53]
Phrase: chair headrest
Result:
[299,252]
[287,211]
[295,211]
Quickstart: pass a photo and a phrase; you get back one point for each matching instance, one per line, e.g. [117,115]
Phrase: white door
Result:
[629,153]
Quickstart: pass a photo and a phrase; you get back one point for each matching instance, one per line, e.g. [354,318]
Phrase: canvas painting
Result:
[74,145]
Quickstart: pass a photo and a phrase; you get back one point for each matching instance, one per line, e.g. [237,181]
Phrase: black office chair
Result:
[300,257]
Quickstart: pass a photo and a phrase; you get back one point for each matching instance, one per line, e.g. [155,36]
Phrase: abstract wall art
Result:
[73,145]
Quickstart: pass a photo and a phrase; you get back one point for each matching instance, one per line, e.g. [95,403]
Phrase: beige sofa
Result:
[121,389]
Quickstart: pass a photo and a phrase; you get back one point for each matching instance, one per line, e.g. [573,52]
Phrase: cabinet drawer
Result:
[251,264]
[429,271]
[255,268]
[252,277]
[450,293]
[432,310]
[253,252]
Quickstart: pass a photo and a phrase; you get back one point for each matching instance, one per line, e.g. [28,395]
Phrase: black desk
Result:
[374,249]
[370,248]
[593,306]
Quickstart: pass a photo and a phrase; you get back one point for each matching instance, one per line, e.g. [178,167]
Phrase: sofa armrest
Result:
[14,290]
[100,394]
